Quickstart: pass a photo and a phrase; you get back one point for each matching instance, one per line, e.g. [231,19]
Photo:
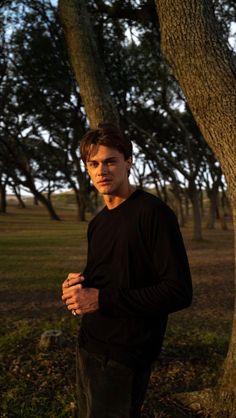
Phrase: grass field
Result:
[36,255]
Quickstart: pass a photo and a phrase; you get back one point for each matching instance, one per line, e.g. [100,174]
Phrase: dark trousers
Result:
[108,389]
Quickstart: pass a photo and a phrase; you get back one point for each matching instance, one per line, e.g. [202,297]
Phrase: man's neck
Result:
[112,201]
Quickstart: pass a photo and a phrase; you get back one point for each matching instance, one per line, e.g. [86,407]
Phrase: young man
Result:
[137,273]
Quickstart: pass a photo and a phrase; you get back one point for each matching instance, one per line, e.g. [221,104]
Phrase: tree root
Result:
[200,402]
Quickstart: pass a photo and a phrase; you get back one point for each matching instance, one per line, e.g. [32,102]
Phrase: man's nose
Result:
[102,170]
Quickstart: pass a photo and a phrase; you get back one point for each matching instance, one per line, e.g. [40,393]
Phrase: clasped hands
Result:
[79,300]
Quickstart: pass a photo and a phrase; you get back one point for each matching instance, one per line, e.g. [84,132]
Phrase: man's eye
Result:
[92,165]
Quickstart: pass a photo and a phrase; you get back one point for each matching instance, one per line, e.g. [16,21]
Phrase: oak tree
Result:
[193,44]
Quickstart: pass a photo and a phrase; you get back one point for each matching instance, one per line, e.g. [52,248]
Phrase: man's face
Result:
[108,170]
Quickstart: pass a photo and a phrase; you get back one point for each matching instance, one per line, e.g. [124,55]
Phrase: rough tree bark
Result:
[86,63]
[192,43]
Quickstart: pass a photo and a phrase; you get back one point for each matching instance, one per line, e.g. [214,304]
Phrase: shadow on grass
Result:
[42,384]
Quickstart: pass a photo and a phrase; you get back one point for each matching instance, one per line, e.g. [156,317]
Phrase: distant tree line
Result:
[43,117]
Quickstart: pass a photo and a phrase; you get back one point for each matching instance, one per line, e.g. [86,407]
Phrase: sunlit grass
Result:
[36,252]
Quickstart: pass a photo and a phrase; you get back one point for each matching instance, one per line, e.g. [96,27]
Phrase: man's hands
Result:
[78,299]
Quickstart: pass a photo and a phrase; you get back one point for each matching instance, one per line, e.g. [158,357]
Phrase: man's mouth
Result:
[104,182]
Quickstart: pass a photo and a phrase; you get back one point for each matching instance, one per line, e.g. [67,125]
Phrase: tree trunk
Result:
[81,207]
[213,208]
[224,210]
[48,205]
[197,219]
[201,198]
[206,72]
[164,192]
[181,212]
[36,202]
[179,204]
[193,44]
[3,198]
[18,196]
[39,197]
[86,63]
[213,195]
[186,205]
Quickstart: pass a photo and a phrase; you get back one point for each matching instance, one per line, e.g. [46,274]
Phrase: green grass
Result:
[36,255]
[36,252]
[37,384]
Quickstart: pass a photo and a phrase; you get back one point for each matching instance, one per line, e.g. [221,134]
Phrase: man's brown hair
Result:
[108,135]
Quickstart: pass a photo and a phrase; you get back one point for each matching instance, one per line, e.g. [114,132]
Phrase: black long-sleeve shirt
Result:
[136,257]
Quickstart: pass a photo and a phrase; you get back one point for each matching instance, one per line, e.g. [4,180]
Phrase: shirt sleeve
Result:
[173,288]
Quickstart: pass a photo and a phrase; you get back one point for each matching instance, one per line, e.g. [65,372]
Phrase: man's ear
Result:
[129,162]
